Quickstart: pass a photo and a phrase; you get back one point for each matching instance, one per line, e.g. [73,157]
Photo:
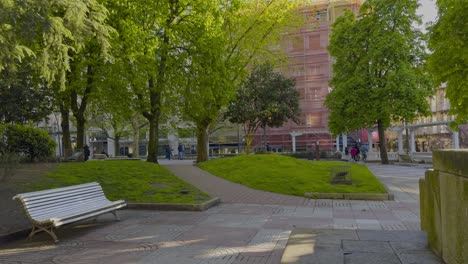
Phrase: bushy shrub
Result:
[27,141]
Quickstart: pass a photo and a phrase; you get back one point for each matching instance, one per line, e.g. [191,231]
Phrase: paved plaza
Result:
[250,226]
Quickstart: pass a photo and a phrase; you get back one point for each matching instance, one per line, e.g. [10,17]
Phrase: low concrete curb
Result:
[174,206]
[352,196]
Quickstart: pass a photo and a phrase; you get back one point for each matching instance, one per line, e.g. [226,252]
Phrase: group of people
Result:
[180,150]
[355,152]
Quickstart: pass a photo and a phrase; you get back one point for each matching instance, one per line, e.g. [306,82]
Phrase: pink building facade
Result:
[310,64]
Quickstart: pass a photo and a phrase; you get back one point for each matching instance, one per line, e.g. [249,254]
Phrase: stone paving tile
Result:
[386,216]
[284,210]
[323,212]
[148,233]
[219,255]
[283,222]
[419,258]
[405,215]
[343,213]
[269,240]
[377,205]
[110,251]
[307,212]
[235,220]
[393,225]
[324,203]
[249,209]
[174,218]
[368,224]
[364,214]
[366,246]
[341,204]
[410,247]
[344,223]
[371,258]
[384,235]
[219,236]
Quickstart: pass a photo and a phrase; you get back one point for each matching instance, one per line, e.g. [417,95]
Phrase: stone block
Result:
[451,161]
[444,205]
[454,211]
[431,210]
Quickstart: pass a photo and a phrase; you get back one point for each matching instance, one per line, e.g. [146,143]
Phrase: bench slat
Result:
[78,218]
[62,189]
[58,201]
[31,200]
[78,205]
[66,214]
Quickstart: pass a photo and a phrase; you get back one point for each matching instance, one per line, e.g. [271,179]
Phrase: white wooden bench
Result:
[50,209]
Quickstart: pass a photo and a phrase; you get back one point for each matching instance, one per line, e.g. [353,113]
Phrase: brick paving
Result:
[250,226]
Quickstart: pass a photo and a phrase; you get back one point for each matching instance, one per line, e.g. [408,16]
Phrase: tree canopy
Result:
[237,35]
[449,59]
[378,74]
[265,98]
[50,31]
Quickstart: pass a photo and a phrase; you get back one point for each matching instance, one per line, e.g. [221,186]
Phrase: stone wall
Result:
[444,205]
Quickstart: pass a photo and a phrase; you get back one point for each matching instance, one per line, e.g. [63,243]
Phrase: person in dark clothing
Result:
[168,152]
[180,149]
[86,152]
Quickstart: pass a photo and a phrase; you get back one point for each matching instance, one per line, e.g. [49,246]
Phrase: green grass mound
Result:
[134,181]
[281,174]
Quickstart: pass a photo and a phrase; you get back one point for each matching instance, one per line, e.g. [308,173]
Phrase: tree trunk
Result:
[136,136]
[79,111]
[382,143]
[153,140]
[248,143]
[202,143]
[80,131]
[264,138]
[116,145]
[65,125]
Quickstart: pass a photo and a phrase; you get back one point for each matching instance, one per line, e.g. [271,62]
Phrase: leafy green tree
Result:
[26,140]
[55,33]
[378,74]
[449,60]
[50,31]
[154,39]
[24,96]
[239,34]
[266,98]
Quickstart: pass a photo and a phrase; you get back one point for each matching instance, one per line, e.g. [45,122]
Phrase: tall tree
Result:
[378,72]
[49,30]
[236,35]
[449,60]
[266,98]
[154,39]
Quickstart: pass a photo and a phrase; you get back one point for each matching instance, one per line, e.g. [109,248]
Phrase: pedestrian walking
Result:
[180,149]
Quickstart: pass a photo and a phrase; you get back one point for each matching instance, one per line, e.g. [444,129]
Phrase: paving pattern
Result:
[249,227]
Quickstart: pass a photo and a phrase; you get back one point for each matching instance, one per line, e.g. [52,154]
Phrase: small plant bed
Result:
[133,181]
[286,175]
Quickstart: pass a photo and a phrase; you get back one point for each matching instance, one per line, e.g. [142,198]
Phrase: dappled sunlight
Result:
[173,244]
[35,249]
[300,247]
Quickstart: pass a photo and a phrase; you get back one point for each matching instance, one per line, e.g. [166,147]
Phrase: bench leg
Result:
[38,228]
[115,215]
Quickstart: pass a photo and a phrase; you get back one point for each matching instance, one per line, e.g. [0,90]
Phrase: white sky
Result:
[428,10]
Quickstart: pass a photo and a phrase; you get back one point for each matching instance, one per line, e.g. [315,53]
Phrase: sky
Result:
[428,10]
